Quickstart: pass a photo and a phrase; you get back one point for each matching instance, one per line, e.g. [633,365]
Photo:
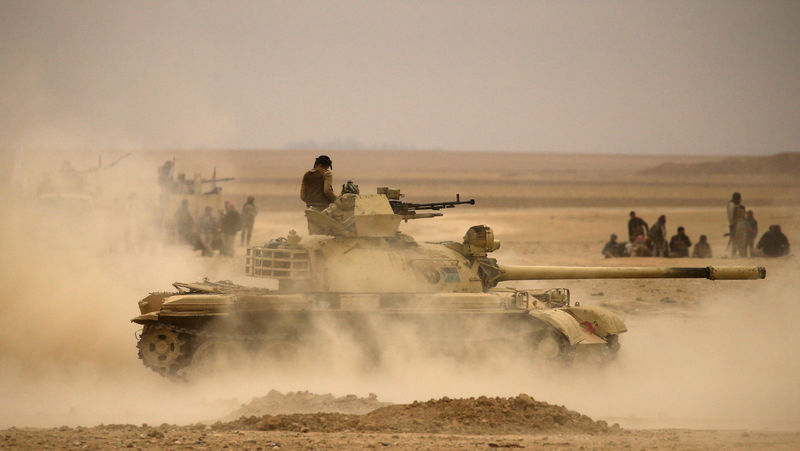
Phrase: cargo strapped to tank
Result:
[279,263]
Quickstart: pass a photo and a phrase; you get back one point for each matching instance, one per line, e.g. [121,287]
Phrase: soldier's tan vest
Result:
[314,183]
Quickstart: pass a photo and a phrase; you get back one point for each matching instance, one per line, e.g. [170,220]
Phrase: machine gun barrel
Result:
[224,179]
[405,207]
[509,272]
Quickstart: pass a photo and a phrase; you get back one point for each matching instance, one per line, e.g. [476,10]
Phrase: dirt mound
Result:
[782,163]
[275,403]
[482,415]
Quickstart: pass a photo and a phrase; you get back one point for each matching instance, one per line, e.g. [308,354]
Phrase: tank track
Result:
[168,349]
[186,341]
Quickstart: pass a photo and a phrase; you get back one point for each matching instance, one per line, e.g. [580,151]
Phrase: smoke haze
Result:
[715,77]
[68,352]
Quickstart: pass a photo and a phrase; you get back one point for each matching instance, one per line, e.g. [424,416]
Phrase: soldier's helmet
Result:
[324,160]
[350,188]
[613,237]
[736,196]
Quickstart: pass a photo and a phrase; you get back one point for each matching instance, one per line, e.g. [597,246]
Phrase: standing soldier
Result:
[231,223]
[736,199]
[184,223]
[636,227]
[165,175]
[737,224]
[249,212]
[208,226]
[752,232]
[658,237]
[317,187]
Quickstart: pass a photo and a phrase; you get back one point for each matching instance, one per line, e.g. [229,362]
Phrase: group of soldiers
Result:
[644,241]
[652,241]
[211,232]
[743,229]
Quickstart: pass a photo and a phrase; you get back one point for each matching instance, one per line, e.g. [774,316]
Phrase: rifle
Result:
[409,209]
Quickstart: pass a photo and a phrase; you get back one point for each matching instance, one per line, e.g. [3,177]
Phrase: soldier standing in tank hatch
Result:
[317,187]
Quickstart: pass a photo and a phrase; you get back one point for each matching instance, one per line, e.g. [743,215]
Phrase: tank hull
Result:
[179,330]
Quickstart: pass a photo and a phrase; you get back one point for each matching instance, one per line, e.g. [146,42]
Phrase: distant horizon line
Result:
[429,150]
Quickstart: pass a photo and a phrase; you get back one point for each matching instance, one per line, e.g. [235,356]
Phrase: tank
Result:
[355,270]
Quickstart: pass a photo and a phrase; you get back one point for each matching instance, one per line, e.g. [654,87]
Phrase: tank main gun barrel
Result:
[510,272]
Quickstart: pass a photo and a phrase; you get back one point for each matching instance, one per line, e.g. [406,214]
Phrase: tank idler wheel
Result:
[160,348]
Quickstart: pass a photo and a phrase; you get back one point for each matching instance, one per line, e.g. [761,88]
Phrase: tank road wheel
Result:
[550,345]
[280,350]
[612,343]
[214,356]
[161,349]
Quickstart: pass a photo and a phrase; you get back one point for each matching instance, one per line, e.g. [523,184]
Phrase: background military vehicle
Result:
[198,192]
[357,270]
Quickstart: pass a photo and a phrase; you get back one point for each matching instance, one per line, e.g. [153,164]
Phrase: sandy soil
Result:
[207,437]
[704,364]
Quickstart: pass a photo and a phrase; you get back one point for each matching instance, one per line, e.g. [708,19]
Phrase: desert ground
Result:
[704,364]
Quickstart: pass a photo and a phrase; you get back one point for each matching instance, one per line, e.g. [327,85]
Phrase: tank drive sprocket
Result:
[162,349]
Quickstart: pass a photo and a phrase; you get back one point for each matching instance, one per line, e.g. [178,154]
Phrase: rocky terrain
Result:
[482,415]
[276,403]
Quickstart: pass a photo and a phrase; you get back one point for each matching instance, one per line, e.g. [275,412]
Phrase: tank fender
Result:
[152,303]
[603,321]
[146,318]
[561,321]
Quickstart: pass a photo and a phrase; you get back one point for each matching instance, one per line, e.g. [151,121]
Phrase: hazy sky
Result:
[642,76]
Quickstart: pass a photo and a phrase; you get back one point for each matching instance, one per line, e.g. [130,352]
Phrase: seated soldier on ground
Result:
[614,248]
[641,248]
[774,243]
[702,249]
[679,244]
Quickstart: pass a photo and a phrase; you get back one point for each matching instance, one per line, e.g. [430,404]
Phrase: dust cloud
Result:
[68,354]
